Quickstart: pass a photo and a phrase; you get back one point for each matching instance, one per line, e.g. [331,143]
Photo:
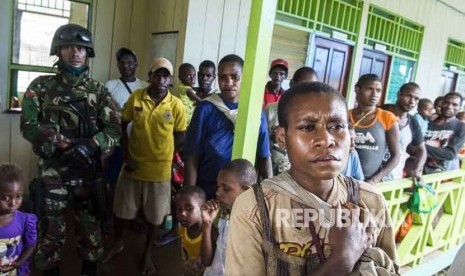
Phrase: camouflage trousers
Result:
[52,228]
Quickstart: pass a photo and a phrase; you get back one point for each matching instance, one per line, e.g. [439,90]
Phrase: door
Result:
[331,62]
[448,81]
[378,63]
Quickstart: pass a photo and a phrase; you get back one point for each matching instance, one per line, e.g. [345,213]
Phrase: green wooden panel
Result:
[455,54]
[323,15]
[400,35]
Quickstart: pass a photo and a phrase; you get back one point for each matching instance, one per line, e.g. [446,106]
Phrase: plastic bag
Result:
[423,199]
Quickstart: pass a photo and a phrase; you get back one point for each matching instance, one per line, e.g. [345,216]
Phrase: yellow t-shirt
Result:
[151,141]
[244,253]
[181,93]
[191,253]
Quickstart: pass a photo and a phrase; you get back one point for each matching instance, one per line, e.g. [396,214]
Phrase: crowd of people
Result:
[133,147]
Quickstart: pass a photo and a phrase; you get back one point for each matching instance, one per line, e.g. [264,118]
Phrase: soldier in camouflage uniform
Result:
[69,118]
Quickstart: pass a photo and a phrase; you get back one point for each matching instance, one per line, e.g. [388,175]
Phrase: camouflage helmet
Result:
[72,34]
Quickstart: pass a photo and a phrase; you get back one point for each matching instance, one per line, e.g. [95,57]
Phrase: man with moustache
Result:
[410,133]
[445,135]
[205,78]
[273,90]
[209,139]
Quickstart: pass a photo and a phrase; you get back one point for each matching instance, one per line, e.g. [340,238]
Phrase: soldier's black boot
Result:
[89,268]
[51,272]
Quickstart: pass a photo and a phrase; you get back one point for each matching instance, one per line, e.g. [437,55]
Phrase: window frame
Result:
[14,68]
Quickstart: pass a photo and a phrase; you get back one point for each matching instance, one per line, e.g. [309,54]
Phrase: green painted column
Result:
[257,53]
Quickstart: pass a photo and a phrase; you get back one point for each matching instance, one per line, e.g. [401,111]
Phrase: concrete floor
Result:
[167,259]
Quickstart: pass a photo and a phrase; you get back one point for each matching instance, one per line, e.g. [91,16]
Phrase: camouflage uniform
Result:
[54,108]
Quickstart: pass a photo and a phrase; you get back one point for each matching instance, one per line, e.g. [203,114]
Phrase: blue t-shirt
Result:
[353,167]
[422,122]
[210,136]
[17,236]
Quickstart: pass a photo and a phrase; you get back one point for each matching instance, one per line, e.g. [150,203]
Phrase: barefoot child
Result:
[189,201]
[18,236]
[233,179]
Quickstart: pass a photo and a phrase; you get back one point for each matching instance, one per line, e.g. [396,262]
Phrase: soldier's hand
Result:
[84,150]
[64,144]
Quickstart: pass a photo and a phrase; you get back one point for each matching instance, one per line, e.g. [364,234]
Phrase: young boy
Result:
[18,236]
[425,111]
[353,167]
[185,91]
[189,201]
[292,224]
[233,179]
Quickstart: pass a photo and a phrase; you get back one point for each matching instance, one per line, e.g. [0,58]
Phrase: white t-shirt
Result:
[219,259]
[120,94]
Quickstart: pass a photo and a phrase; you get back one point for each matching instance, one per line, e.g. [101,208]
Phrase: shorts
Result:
[132,195]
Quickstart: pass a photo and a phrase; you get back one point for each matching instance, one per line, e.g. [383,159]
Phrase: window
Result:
[35,22]
[402,72]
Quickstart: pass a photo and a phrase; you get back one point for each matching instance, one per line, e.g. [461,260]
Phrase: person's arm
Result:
[418,161]
[392,139]
[265,168]
[179,137]
[453,148]
[124,140]
[358,172]
[31,127]
[126,119]
[191,94]
[191,166]
[193,146]
[180,125]
[209,212]
[109,132]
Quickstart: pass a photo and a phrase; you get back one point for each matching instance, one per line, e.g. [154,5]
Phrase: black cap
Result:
[125,51]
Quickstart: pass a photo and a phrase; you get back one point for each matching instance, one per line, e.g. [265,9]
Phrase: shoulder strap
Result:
[126,85]
[316,242]
[263,210]
[353,190]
